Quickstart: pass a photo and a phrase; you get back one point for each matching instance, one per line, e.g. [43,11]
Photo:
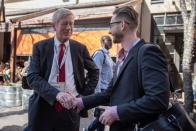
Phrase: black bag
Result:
[25,84]
[174,119]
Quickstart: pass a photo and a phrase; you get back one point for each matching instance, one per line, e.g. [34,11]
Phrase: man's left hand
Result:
[109,115]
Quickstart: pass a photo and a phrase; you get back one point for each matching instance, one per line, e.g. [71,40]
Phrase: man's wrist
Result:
[116,113]
[80,103]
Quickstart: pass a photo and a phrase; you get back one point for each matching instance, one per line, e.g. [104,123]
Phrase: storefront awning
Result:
[90,38]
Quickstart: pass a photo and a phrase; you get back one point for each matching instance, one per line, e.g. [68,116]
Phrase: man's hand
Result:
[78,104]
[109,115]
[66,99]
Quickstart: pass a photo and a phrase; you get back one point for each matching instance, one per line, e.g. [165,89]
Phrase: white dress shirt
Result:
[69,85]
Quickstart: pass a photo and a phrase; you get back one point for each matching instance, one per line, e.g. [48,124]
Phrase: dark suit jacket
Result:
[44,95]
[136,102]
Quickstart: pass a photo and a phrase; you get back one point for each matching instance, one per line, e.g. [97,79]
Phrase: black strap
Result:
[139,56]
[93,55]
[171,119]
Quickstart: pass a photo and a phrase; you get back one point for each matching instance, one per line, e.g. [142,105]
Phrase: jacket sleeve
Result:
[101,98]
[155,84]
[92,75]
[38,83]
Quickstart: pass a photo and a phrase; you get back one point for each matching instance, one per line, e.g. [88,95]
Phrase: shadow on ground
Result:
[13,113]
[13,128]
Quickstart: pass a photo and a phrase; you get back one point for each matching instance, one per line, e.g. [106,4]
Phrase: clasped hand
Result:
[68,101]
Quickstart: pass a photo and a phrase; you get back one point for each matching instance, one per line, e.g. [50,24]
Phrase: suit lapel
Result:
[131,55]
[50,54]
[127,60]
[73,55]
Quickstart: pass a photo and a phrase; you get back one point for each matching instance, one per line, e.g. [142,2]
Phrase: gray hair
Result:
[58,14]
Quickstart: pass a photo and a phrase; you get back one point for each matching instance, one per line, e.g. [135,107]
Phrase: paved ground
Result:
[15,119]
[12,119]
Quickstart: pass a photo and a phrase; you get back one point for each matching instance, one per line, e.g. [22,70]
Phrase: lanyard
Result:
[63,59]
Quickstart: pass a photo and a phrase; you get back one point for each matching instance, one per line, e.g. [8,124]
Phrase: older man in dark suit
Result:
[57,75]
[139,91]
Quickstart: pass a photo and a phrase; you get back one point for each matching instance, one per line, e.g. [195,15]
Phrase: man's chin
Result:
[66,38]
[116,42]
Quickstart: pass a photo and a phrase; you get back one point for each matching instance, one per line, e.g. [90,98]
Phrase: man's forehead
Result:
[67,18]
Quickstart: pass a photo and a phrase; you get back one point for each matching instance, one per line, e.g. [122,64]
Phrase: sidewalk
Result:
[12,119]
[15,119]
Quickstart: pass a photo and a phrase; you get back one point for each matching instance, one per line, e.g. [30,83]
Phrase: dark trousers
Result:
[101,128]
[66,120]
[117,126]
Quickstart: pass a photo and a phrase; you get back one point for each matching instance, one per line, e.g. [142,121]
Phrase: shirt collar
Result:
[105,50]
[57,42]
[132,44]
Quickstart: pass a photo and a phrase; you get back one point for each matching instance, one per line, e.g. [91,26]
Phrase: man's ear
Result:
[123,25]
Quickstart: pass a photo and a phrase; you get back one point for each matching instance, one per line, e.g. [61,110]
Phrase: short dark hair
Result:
[105,37]
[129,14]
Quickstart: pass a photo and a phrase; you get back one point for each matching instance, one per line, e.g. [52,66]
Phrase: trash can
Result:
[11,96]
[26,94]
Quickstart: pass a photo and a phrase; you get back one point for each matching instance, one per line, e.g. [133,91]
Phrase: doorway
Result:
[174,43]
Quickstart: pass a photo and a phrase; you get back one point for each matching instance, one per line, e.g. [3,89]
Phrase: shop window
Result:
[179,19]
[170,20]
[159,20]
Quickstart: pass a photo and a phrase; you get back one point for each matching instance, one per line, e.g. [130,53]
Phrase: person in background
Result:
[7,73]
[18,73]
[106,66]
[139,92]
[25,68]
[104,62]
[2,67]
[56,74]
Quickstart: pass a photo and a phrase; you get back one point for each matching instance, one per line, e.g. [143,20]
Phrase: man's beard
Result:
[117,38]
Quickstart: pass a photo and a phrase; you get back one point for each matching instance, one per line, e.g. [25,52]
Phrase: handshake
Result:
[68,101]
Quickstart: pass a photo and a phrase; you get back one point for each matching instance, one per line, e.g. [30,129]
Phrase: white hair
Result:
[60,13]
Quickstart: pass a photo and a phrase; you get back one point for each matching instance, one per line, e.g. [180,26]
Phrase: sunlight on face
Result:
[64,28]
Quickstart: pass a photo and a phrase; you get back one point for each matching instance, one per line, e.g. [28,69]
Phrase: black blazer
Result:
[40,67]
[136,102]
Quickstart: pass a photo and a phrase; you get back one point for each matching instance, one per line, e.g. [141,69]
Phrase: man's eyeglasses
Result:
[117,22]
[112,23]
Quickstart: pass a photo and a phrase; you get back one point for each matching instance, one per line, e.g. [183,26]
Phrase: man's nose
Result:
[68,26]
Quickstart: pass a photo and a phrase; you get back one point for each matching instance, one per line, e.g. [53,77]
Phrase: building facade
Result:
[166,25]
[160,21]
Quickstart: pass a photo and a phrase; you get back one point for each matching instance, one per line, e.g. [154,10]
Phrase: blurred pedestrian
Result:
[104,62]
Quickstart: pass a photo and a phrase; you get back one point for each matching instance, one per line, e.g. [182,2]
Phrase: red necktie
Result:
[58,107]
[61,68]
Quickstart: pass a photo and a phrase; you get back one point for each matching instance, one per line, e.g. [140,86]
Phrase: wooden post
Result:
[2,11]
[13,52]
